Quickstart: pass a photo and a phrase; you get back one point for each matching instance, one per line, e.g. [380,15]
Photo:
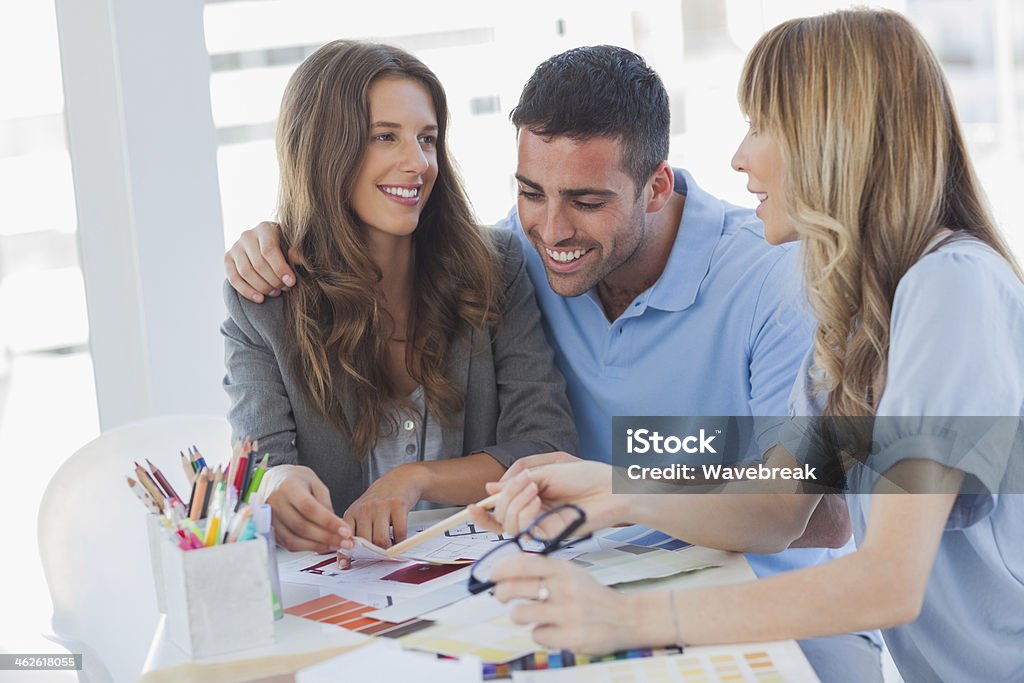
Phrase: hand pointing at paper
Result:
[383,510]
[526,495]
[303,516]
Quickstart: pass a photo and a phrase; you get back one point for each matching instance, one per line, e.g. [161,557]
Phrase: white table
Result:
[298,635]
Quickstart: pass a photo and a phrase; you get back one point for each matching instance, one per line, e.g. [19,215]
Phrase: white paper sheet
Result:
[465,541]
[385,660]
[420,605]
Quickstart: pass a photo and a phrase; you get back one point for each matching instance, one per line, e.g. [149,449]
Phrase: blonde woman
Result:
[408,363]
[855,149]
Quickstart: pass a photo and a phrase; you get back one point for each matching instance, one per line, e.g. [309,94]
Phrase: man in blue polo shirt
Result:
[658,298]
[661,299]
[698,318]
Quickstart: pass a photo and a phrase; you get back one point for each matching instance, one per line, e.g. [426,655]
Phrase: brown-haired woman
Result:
[408,363]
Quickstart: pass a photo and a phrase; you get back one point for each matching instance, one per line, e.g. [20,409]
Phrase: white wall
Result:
[143,150]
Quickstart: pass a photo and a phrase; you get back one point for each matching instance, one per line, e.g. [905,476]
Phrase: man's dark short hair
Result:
[600,91]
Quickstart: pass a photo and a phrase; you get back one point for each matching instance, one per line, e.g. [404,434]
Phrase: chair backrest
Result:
[93,540]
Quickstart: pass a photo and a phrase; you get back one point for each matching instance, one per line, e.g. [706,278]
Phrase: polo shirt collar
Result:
[690,260]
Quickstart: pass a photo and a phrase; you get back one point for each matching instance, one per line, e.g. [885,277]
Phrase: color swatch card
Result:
[627,563]
[637,534]
[400,580]
[363,583]
[353,616]
[633,553]
[557,659]
[420,573]
[494,641]
[743,664]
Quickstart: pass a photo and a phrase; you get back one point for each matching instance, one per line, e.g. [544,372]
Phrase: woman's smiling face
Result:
[399,167]
[759,157]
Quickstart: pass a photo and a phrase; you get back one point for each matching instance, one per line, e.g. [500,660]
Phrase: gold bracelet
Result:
[675,620]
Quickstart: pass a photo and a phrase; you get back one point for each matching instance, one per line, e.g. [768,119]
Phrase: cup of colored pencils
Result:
[217,510]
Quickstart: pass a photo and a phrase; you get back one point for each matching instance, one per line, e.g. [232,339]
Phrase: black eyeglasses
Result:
[546,534]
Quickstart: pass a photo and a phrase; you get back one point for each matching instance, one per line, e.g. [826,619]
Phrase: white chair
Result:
[94,545]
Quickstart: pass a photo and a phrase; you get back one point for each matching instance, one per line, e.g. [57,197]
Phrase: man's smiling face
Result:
[579,208]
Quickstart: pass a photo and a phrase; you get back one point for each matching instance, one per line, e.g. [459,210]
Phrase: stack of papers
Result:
[428,590]
[403,589]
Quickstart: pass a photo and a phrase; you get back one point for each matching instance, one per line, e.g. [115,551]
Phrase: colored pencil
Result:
[199,493]
[208,496]
[211,532]
[162,480]
[198,457]
[188,468]
[257,477]
[238,524]
[241,465]
[150,486]
[143,495]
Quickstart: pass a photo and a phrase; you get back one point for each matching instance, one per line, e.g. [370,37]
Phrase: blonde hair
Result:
[875,168]
[341,328]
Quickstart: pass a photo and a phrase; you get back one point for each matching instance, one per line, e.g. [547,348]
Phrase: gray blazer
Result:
[515,402]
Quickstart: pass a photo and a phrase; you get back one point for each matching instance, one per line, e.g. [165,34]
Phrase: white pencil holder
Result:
[217,599]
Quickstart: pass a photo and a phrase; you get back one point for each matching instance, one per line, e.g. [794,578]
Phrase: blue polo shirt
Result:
[721,332]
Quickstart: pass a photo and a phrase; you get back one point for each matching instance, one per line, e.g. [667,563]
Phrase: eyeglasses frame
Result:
[550,546]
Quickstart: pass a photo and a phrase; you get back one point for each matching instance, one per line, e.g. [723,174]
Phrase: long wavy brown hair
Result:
[876,169]
[337,313]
